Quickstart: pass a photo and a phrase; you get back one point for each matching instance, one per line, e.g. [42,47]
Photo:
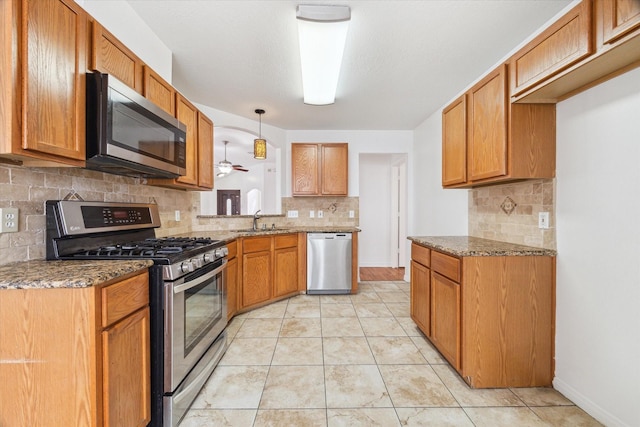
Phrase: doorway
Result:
[229,202]
[383,210]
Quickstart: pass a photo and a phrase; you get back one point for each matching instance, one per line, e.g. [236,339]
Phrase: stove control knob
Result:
[222,252]
[186,267]
[207,258]
[196,263]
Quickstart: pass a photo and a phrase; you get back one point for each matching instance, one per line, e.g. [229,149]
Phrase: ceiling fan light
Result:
[260,149]
[225,167]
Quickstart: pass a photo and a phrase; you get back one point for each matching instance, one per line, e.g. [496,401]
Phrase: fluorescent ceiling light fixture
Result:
[322,32]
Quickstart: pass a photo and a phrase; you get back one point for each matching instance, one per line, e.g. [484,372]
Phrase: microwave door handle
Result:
[192,283]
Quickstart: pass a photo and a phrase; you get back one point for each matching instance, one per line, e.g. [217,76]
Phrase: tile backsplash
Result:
[509,212]
[28,188]
[335,211]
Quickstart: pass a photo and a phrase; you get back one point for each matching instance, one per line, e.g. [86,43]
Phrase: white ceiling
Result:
[403,59]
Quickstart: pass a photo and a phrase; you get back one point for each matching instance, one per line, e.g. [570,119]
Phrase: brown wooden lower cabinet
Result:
[445,317]
[421,296]
[79,356]
[491,317]
[270,268]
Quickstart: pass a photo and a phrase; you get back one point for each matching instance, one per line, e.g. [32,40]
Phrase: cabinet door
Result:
[109,55]
[205,152]
[53,37]
[487,146]
[125,370]
[421,297]
[256,278]
[304,169]
[445,317]
[454,142]
[619,17]
[232,288]
[188,114]
[335,166]
[564,43]
[285,271]
[158,91]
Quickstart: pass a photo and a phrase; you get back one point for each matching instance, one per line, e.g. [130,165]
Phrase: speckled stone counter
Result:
[65,274]
[475,246]
[228,235]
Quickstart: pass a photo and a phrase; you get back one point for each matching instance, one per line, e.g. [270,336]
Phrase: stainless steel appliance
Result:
[329,263]
[129,135]
[187,290]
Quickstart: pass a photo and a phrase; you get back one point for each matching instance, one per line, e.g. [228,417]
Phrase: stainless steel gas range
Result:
[187,290]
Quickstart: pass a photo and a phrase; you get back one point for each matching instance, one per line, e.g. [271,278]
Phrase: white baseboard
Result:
[587,405]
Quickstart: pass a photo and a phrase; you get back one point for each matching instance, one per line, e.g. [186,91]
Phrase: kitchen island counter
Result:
[474,246]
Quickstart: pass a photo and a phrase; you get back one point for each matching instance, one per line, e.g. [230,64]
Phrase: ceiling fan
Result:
[226,166]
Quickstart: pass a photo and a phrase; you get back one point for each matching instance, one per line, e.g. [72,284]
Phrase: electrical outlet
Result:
[320,214]
[177,215]
[312,214]
[292,214]
[352,214]
[543,220]
[9,218]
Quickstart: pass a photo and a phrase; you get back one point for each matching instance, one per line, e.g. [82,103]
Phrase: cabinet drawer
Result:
[256,244]
[420,254]
[123,298]
[286,241]
[233,249]
[446,265]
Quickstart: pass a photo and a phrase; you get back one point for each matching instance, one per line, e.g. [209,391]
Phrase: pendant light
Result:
[260,145]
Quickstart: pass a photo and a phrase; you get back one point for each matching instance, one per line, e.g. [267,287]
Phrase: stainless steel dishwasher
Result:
[328,263]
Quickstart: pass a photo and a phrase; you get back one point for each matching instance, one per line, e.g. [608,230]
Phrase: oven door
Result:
[195,314]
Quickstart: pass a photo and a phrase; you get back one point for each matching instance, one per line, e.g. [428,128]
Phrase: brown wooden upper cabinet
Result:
[109,55]
[42,96]
[618,18]
[454,142]
[564,43]
[487,140]
[158,91]
[593,42]
[319,169]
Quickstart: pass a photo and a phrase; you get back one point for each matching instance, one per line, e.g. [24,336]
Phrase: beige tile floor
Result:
[359,360]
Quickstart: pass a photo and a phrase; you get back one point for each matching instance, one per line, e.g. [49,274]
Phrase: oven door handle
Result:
[192,283]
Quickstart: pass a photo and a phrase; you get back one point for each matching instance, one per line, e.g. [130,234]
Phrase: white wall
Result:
[436,212]
[122,21]
[598,273]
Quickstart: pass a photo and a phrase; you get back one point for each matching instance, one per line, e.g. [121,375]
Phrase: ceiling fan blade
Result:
[240,168]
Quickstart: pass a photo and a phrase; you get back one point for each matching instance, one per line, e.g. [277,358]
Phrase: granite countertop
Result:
[42,274]
[229,235]
[475,246]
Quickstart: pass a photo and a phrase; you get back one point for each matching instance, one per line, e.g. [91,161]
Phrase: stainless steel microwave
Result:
[129,135]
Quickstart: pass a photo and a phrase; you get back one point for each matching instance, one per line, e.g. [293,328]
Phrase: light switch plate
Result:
[312,214]
[352,214]
[9,217]
[292,214]
[177,215]
[320,214]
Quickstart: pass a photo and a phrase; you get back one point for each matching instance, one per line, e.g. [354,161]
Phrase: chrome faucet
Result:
[256,217]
